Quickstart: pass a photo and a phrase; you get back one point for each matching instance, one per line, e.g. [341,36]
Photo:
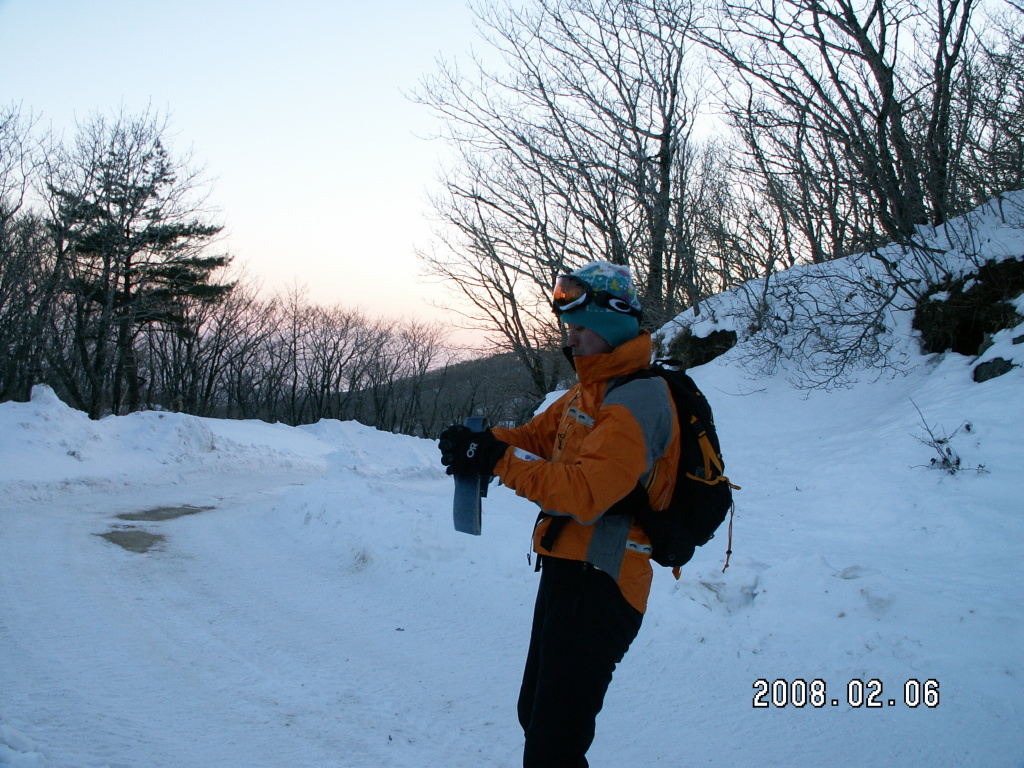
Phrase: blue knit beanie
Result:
[614,327]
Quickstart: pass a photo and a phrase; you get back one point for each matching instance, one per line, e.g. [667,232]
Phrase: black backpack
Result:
[702,495]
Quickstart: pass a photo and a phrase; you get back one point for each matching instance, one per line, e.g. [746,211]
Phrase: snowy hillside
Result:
[183,592]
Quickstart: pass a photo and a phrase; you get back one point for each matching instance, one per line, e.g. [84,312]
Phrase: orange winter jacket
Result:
[596,446]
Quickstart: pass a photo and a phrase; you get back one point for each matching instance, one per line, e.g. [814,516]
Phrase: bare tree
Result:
[422,349]
[849,108]
[251,376]
[993,87]
[858,124]
[577,147]
[27,277]
[334,345]
[189,370]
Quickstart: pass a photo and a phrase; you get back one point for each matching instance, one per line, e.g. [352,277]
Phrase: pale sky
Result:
[296,109]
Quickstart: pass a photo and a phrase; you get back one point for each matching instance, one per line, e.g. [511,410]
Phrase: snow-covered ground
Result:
[319,610]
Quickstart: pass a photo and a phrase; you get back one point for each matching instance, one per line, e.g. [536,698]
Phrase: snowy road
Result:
[238,640]
[324,614]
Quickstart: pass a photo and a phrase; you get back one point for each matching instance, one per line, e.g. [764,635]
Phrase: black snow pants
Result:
[582,627]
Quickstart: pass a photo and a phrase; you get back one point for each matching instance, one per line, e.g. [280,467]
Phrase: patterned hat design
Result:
[614,327]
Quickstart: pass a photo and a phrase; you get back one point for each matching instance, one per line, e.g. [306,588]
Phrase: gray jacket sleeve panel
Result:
[650,403]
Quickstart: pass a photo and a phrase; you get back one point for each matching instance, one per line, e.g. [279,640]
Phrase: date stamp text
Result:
[867,694]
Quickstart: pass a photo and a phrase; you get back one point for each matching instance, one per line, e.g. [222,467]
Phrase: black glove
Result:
[463,451]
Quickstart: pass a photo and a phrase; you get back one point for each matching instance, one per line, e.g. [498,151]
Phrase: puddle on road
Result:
[159,514]
[133,539]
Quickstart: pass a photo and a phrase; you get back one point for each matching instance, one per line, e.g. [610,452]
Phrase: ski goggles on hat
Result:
[571,293]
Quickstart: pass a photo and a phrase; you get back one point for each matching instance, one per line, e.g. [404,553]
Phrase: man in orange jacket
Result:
[583,461]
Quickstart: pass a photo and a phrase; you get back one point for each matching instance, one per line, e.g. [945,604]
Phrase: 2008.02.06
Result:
[868,694]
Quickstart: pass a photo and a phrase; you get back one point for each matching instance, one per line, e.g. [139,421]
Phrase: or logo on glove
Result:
[464,451]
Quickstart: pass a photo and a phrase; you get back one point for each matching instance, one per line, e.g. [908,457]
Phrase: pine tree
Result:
[131,235]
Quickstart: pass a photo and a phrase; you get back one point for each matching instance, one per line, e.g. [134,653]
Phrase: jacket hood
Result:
[625,358]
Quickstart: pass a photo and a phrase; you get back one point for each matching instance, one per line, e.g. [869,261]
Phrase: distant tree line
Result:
[708,142]
[113,293]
